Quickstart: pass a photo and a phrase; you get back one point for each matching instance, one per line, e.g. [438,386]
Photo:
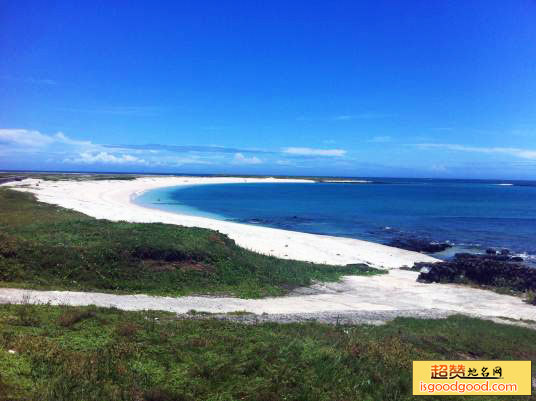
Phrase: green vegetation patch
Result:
[48,247]
[107,354]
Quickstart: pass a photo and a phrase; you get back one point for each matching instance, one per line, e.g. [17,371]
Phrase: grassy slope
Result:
[65,353]
[48,247]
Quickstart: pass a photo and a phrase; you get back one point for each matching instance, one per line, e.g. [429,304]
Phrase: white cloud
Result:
[239,158]
[179,161]
[19,143]
[441,168]
[35,139]
[105,158]
[23,137]
[30,80]
[40,81]
[284,162]
[344,117]
[141,111]
[315,152]
[361,116]
[516,152]
[380,139]
[61,137]
[167,160]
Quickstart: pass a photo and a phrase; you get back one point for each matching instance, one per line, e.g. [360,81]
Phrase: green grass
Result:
[47,247]
[89,353]
[531,297]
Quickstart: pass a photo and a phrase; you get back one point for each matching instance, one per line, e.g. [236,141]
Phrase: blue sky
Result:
[430,88]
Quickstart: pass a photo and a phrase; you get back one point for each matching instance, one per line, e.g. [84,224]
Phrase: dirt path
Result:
[355,298]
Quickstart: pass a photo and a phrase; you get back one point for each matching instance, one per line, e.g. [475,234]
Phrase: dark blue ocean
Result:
[471,214]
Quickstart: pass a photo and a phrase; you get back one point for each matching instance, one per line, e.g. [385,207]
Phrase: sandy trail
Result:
[359,298]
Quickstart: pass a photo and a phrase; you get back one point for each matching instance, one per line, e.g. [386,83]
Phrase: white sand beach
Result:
[112,200]
[384,296]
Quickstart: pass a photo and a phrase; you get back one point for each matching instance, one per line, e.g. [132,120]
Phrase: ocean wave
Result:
[526,256]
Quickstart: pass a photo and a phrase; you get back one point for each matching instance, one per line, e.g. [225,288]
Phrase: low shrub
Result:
[72,316]
[531,297]
[127,329]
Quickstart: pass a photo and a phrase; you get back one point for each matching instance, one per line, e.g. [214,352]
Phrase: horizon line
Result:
[257,175]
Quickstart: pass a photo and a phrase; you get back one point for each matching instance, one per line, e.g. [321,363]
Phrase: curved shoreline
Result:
[371,299]
[112,200]
[183,210]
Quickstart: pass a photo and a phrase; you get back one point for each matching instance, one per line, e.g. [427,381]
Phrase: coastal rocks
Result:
[419,245]
[280,222]
[5,180]
[489,269]
[491,251]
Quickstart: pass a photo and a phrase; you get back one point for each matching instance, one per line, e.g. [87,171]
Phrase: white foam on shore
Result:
[112,200]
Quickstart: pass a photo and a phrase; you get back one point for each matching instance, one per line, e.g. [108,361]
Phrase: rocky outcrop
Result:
[419,245]
[497,270]
[5,180]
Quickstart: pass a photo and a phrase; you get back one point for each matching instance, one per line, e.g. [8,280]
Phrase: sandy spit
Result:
[356,299]
[112,200]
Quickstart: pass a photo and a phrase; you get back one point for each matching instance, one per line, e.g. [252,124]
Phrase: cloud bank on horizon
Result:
[61,152]
[59,149]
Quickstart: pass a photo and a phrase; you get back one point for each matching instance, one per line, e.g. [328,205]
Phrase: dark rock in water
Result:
[493,270]
[491,251]
[5,180]
[505,252]
[492,257]
[419,245]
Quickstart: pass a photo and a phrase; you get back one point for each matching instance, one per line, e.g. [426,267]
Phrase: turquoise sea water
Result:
[473,215]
